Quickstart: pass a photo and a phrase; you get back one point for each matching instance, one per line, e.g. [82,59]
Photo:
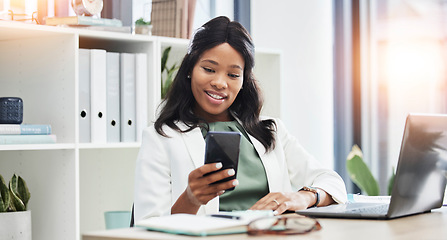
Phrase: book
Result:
[84,96]
[83,20]
[27,139]
[25,129]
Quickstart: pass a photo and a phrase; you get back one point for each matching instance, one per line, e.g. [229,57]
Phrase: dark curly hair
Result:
[179,102]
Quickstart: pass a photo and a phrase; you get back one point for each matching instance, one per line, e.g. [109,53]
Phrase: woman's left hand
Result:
[281,202]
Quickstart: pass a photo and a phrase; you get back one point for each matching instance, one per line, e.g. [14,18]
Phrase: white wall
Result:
[303,31]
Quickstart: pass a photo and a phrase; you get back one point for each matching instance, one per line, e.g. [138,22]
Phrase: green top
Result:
[251,175]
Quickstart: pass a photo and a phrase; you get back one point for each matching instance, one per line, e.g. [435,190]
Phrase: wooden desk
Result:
[423,226]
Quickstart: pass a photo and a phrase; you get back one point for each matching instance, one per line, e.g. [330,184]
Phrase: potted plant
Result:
[143,27]
[15,220]
[167,72]
[362,176]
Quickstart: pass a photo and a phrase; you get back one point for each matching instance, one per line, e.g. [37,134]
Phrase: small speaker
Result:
[11,110]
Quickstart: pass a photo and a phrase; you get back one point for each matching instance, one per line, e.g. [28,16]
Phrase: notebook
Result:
[200,225]
[420,179]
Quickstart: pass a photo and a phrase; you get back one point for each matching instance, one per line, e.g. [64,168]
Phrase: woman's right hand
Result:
[200,190]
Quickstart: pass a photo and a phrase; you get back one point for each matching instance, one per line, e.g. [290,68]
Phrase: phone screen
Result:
[223,147]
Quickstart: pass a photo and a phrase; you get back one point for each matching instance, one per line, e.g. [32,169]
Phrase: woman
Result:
[215,90]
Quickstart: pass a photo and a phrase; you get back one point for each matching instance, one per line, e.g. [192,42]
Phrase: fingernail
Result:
[218,165]
[221,192]
[235,182]
[275,212]
[231,172]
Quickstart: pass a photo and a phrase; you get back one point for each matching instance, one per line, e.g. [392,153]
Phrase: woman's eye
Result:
[208,69]
[233,75]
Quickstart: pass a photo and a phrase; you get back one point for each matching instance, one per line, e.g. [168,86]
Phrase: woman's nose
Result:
[219,82]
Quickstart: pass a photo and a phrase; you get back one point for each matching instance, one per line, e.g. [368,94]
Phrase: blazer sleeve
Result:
[305,170]
[152,193]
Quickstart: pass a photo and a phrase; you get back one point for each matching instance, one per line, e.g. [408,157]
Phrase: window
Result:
[403,70]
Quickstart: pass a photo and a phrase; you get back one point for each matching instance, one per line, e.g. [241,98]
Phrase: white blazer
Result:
[164,163]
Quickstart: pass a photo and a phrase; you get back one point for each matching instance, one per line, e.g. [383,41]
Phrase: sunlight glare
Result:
[407,62]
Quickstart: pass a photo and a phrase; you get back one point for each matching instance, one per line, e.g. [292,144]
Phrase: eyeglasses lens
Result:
[283,225]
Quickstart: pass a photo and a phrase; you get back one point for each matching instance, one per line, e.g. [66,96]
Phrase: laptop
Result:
[420,179]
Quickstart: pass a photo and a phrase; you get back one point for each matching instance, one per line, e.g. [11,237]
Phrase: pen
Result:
[225,216]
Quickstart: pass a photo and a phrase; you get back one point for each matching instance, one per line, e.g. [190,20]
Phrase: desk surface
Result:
[423,226]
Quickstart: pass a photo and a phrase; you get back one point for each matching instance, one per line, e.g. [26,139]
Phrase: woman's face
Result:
[216,79]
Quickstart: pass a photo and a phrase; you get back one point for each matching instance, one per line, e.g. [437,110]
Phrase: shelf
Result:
[24,147]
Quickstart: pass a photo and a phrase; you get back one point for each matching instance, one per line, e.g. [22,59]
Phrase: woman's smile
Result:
[215,97]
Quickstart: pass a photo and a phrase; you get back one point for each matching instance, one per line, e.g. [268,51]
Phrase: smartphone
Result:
[223,147]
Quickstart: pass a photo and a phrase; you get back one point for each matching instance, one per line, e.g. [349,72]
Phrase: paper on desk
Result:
[353,198]
[247,215]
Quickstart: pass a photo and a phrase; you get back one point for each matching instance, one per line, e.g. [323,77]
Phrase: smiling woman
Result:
[215,90]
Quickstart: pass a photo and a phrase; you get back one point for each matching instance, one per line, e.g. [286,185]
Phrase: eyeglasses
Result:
[283,225]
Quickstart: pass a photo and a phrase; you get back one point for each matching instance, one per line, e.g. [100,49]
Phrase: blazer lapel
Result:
[195,144]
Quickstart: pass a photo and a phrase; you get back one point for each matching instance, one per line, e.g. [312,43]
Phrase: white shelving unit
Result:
[72,184]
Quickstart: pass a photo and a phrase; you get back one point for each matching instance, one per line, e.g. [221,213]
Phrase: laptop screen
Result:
[420,176]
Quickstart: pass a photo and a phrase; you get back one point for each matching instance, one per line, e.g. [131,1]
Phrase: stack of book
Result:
[91,23]
[26,134]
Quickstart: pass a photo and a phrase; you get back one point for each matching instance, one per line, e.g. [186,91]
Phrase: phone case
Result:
[223,147]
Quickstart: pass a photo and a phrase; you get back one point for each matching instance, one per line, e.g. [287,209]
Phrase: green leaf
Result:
[141,21]
[164,58]
[16,200]
[391,182]
[169,79]
[360,173]
[23,191]
[5,197]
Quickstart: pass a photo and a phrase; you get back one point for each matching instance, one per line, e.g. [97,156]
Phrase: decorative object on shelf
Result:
[15,220]
[88,16]
[11,110]
[170,72]
[361,175]
[87,7]
[143,27]
[22,17]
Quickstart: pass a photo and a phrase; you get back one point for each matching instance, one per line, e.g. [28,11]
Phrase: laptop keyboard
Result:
[380,209]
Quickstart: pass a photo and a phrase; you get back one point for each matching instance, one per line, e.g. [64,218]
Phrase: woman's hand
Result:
[293,201]
[200,190]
